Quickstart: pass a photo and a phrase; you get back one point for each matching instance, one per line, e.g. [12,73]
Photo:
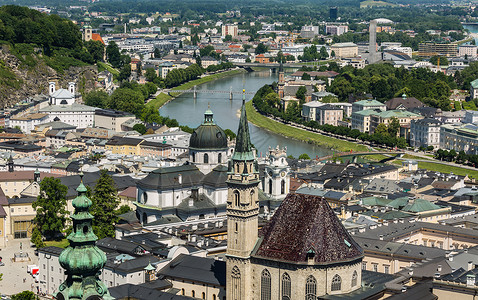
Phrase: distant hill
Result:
[373,3]
[35,47]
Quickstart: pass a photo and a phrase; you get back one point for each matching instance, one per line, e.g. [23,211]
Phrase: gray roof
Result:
[75,107]
[142,292]
[217,177]
[90,179]
[168,178]
[197,269]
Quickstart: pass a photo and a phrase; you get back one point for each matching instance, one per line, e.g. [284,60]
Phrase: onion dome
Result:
[208,136]
[82,260]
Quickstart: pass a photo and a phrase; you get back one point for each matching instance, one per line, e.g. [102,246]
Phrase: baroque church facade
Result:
[304,252]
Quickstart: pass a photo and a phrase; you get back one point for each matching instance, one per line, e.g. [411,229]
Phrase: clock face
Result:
[282,174]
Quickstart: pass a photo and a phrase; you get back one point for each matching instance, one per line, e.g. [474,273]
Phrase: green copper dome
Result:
[208,136]
[82,260]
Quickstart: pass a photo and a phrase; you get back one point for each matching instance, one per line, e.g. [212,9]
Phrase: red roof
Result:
[23,175]
[306,224]
[97,37]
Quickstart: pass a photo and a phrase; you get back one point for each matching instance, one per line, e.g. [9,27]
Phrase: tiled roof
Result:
[302,225]
[23,175]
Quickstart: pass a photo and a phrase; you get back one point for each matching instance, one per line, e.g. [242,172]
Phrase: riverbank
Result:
[299,134]
[164,98]
[339,145]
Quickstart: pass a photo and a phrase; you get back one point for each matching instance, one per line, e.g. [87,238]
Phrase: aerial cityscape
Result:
[247,150]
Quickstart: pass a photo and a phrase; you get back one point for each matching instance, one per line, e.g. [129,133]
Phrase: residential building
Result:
[471,116]
[474,89]
[404,118]
[368,104]
[229,29]
[262,59]
[460,137]
[336,29]
[425,132]
[361,119]
[451,117]
[111,119]
[329,114]
[137,146]
[344,50]
[468,50]
[79,115]
[28,122]
[430,49]
[404,103]
[207,61]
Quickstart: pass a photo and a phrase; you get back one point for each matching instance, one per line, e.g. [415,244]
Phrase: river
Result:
[189,111]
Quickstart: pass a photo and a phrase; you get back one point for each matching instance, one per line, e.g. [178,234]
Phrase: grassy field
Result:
[191,84]
[370,3]
[159,101]
[259,120]
[61,244]
[447,169]
[103,66]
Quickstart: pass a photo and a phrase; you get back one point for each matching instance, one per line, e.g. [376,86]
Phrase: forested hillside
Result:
[36,47]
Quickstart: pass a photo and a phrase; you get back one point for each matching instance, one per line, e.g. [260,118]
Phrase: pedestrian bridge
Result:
[394,154]
[196,91]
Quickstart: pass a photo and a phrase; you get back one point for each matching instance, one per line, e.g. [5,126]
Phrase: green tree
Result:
[393,127]
[260,49]
[37,238]
[140,128]
[381,129]
[96,49]
[113,54]
[25,295]
[122,210]
[230,134]
[105,203]
[228,38]
[150,74]
[96,99]
[272,99]
[300,94]
[50,207]
[304,156]
[305,76]
[323,53]
[157,53]
[443,60]
[126,99]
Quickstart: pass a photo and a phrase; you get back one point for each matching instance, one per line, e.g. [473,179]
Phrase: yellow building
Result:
[344,50]
[136,146]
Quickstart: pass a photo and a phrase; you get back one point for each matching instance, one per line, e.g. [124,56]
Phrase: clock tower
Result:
[277,174]
[242,212]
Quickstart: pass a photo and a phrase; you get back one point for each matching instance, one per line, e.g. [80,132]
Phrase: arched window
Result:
[145,218]
[236,198]
[219,158]
[206,158]
[214,297]
[203,295]
[311,288]
[252,196]
[265,285]
[336,283]
[270,186]
[236,283]
[183,292]
[286,287]
[282,187]
[194,157]
[193,293]
[354,278]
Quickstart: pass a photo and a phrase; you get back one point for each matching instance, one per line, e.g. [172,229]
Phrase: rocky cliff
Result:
[22,77]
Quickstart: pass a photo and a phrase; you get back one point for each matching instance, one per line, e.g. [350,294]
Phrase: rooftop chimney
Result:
[470,265]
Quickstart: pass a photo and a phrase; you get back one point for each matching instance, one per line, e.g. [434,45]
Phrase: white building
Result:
[368,104]
[459,137]
[471,116]
[229,29]
[61,96]
[336,29]
[361,119]
[27,123]
[79,115]
[276,181]
[468,50]
[425,132]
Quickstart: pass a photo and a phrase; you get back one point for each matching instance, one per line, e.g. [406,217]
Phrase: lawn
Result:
[371,3]
[159,101]
[339,145]
[447,169]
[103,66]
[189,85]
[61,244]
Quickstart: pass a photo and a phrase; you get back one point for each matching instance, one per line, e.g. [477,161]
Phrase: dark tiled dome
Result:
[208,135]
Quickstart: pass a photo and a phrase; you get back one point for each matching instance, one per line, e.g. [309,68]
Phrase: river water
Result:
[189,111]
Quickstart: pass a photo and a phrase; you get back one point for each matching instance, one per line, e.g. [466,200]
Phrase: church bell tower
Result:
[242,211]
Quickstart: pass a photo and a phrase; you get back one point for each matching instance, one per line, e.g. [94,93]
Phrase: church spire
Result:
[243,148]
[82,260]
